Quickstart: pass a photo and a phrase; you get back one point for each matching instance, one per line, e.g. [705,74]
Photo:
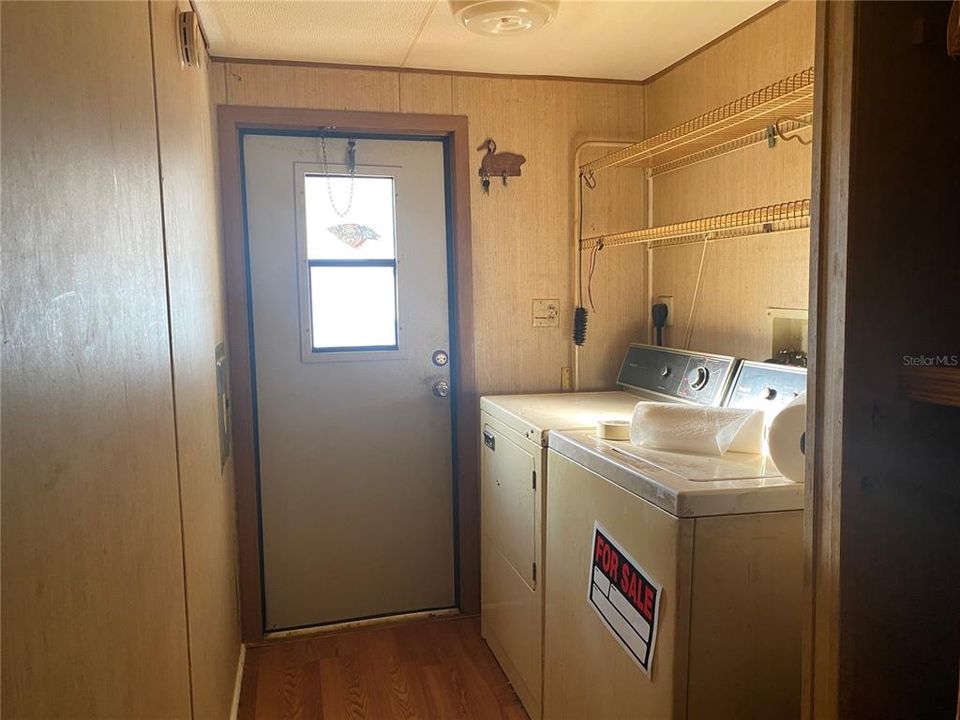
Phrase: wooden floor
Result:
[431,670]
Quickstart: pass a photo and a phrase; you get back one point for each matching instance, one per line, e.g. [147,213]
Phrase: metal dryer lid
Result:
[533,416]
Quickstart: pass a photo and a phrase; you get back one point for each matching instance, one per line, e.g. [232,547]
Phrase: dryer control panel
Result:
[698,378]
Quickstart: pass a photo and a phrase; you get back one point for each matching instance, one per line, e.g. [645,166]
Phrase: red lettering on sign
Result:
[606,557]
[648,603]
[611,562]
[635,587]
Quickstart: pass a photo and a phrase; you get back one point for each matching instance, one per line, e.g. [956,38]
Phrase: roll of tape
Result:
[613,429]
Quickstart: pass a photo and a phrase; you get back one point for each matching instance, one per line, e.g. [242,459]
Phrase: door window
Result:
[351,256]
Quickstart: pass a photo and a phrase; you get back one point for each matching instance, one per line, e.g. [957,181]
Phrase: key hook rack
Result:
[494,164]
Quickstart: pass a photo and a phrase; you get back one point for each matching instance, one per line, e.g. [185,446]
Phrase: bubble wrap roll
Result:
[696,429]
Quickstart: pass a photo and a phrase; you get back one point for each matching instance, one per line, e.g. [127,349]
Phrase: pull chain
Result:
[351,169]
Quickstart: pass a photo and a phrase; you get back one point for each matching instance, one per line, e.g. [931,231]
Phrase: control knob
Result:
[701,377]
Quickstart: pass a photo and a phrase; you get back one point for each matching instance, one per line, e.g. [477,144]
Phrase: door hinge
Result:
[534,480]
[534,572]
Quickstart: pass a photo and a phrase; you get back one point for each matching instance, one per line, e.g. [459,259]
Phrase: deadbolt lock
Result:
[440,358]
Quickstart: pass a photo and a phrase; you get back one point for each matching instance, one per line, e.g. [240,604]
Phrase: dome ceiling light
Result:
[503,18]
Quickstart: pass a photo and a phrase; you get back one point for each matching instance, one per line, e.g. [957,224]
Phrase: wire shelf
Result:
[782,217]
[791,126]
[710,134]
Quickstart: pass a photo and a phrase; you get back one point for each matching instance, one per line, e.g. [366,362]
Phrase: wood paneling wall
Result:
[742,277]
[93,593]
[197,325]
[522,233]
[882,517]
[119,594]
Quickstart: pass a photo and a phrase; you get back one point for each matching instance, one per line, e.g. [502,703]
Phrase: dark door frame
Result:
[881,461]
[232,122]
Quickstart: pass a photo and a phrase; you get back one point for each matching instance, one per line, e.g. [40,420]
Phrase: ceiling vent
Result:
[503,18]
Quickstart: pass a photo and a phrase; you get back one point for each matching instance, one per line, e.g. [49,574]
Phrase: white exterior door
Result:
[349,308]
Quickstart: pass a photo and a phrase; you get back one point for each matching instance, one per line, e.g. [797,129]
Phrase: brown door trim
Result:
[231,121]
[833,111]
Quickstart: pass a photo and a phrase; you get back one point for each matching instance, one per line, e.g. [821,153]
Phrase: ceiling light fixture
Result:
[503,17]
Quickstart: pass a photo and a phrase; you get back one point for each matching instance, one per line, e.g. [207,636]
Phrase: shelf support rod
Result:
[577,191]
[649,177]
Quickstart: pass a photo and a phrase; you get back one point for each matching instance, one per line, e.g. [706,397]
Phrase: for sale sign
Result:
[625,596]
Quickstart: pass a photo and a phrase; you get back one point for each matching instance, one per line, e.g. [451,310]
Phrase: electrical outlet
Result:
[546,313]
[668,301]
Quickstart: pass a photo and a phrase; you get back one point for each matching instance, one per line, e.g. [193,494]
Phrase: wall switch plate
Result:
[546,312]
[668,301]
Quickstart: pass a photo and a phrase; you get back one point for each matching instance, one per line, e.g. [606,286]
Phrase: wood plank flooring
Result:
[428,670]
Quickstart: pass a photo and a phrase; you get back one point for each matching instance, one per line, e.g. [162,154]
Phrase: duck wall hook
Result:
[494,164]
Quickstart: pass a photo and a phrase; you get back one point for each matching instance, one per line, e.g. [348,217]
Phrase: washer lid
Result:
[684,485]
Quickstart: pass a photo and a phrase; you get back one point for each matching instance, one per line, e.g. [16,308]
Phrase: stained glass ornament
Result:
[353,234]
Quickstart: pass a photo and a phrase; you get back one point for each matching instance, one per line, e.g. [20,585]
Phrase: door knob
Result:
[441,388]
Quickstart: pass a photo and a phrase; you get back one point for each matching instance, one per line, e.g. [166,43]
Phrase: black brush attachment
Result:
[659,320]
[579,326]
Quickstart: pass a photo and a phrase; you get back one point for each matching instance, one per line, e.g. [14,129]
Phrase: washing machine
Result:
[514,480]
[675,580]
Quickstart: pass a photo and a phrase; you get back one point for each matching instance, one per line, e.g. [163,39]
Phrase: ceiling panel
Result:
[615,39]
[359,32]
